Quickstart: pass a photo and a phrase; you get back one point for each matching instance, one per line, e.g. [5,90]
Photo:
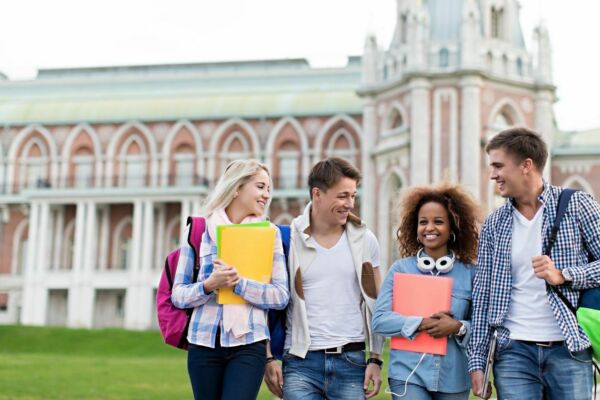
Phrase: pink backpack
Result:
[173,321]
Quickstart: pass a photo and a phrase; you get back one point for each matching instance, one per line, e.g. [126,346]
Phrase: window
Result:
[134,171]
[35,172]
[288,169]
[503,120]
[444,57]
[403,29]
[184,169]
[519,66]
[496,23]
[84,171]
[342,145]
[120,305]
[124,253]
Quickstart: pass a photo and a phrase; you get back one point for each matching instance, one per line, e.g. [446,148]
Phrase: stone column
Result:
[28,312]
[420,141]
[544,125]
[368,201]
[89,263]
[42,262]
[470,145]
[74,317]
[160,237]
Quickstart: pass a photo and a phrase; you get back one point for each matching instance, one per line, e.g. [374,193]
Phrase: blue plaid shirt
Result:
[207,316]
[579,236]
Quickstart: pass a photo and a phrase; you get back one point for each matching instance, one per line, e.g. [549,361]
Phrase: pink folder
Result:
[422,296]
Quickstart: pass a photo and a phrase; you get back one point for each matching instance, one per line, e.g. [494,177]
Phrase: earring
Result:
[452,237]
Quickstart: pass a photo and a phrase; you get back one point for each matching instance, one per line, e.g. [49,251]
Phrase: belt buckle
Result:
[334,350]
[544,344]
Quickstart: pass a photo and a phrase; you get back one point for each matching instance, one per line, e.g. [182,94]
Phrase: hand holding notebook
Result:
[423,296]
[249,248]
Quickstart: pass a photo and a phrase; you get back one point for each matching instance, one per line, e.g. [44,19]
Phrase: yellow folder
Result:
[250,251]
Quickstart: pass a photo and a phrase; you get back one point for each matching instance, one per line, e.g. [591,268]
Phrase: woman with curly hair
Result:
[438,234]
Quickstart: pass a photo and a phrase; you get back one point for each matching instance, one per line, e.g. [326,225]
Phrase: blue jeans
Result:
[227,373]
[416,392]
[324,376]
[526,371]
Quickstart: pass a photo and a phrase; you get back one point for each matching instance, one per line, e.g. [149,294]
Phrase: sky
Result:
[39,34]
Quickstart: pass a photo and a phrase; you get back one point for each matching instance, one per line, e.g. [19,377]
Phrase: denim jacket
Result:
[436,373]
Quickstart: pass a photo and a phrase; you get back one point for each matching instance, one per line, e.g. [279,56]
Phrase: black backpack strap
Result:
[561,208]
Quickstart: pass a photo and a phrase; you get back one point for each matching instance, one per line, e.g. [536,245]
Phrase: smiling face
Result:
[509,175]
[333,206]
[433,229]
[252,197]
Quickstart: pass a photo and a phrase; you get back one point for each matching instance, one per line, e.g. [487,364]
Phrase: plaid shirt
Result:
[579,236]
[208,314]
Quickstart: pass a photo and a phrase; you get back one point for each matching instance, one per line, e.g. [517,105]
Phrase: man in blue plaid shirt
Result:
[541,353]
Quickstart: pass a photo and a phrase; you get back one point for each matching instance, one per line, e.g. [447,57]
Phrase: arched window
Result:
[235,148]
[394,120]
[342,145]
[84,168]
[289,165]
[496,23]
[503,120]
[34,164]
[444,56]
[184,166]
[403,29]
[68,246]
[134,159]
[504,64]
[519,66]
[122,245]
[489,60]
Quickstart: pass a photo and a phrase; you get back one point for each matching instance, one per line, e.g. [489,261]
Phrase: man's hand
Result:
[372,374]
[274,378]
[544,268]
[477,385]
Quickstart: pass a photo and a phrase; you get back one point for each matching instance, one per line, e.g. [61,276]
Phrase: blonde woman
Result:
[226,355]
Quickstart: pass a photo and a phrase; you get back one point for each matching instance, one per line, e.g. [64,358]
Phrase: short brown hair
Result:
[327,173]
[463,212]
[521,143]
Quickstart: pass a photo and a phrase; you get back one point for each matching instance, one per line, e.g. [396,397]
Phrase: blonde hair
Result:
[236,175]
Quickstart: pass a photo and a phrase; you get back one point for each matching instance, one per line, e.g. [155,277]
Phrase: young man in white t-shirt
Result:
[541,352]
[334,278]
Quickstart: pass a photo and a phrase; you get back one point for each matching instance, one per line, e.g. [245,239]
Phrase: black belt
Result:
[356,346]
[544,344]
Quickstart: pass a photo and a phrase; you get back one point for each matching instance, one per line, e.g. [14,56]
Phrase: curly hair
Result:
[463,211]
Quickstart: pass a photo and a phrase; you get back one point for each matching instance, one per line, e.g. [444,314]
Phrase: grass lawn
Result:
[56,363]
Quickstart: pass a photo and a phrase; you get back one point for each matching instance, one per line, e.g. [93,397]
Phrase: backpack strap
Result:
[285,239]
[561,208]
[197,227]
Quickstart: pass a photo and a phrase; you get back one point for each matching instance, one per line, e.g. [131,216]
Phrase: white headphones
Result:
[427,264]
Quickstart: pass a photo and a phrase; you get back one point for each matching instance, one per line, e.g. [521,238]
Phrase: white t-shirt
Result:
[332,295]
[530,316]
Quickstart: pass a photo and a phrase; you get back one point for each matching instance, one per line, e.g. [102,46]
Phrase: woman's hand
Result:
[440,325]
[223,275]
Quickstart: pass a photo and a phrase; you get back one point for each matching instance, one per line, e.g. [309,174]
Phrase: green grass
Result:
[57,363]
